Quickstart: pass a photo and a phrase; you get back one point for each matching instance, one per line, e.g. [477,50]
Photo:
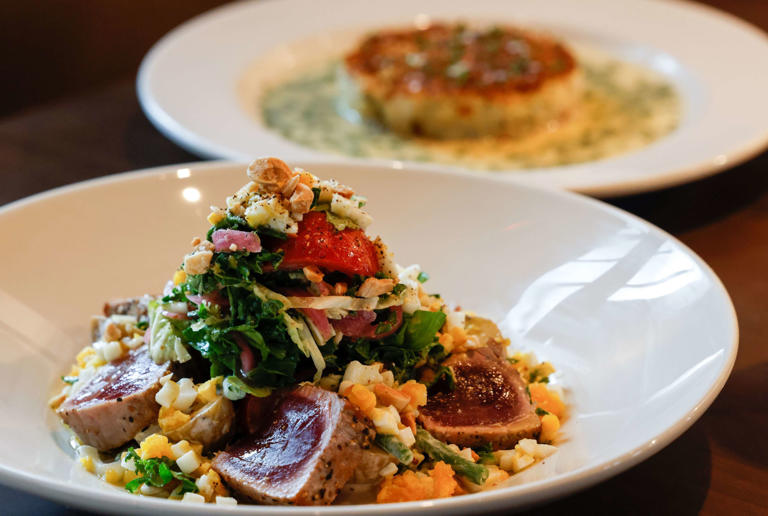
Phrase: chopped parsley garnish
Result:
[423,277]
[158,472]
[541,412]
[69,379]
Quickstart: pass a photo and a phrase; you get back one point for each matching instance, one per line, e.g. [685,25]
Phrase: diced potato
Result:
[186,396]
[167,394]
[188,462]
[180,448]
[192,498]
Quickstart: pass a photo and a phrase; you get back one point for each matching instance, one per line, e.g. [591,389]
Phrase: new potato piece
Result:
[209,425]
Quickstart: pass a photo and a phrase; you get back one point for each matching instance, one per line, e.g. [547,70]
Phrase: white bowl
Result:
[641,331]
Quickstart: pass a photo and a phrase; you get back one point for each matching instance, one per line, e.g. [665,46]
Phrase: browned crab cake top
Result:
[446,59]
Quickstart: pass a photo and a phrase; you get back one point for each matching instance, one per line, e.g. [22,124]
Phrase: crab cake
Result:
[452,81]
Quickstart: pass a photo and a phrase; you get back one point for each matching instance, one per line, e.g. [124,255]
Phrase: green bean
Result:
[395,447]
[439,451]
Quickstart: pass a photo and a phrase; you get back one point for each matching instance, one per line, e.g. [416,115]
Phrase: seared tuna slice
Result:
[117,402]
[304,456]
[488,405]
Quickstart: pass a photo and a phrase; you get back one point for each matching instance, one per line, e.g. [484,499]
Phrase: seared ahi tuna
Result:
[115,404]
[489,403]
[310,449]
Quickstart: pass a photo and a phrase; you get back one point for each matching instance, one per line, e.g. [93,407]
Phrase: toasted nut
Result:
[302,198]
[290,186]
[270,173]
[198,262]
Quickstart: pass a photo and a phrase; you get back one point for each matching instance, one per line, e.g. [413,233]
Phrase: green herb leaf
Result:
[422,277]
[157,472]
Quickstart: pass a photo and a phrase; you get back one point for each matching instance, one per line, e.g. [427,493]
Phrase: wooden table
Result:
[719,466]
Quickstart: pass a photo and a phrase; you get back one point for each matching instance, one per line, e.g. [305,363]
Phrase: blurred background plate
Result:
[191,84]
[641,331]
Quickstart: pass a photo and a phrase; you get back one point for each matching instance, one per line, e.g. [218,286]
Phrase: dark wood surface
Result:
[93,126]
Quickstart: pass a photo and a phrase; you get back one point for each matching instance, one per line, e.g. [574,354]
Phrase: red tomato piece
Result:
[318,243]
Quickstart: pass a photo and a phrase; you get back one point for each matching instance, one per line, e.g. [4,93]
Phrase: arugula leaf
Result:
[229,222]
[414,343]
[255,322]
[158,472]
[267,231]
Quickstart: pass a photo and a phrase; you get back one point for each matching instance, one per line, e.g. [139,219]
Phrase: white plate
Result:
[641,331]
[191,83]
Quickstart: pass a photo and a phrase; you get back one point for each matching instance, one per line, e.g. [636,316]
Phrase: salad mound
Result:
[291,361]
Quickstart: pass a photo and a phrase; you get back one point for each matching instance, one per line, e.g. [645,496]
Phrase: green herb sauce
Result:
[624,108]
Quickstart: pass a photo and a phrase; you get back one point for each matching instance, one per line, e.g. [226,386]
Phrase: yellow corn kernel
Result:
[361,397]
[206,392]
[170,419]
[129,475]
[416,391]
[179,277]
[550,424]
[84,356]
[155,446]
[87,464]
[112,476]
[216,216]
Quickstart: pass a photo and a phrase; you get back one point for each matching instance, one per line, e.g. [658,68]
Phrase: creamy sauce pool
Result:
[625,107]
